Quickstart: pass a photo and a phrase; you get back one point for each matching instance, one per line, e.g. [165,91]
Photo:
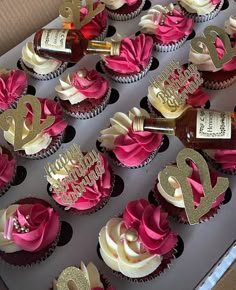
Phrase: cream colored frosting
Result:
[41,141]
[129,258]
[37,63]
[67,92]
[120,124]
[201,7]
[7,246]
[230,25]
[114,4]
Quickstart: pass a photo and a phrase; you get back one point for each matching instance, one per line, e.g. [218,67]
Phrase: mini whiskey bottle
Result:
[196,128]
[70,45]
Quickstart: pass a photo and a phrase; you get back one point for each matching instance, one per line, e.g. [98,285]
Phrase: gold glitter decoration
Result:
[70,12]
[207,41]
[18,116]
[131,235]
[181,172]
[75,276]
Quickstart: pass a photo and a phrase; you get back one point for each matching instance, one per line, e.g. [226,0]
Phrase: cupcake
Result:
[230,27]
[126,147]
[122,10]
[29,231]
[97,27]
[48,140]
[168,26]
[170,101]
[214,78]
[83,94]
[201,10]
[175,206]
[7,169]
[134,61]
[13,84]
[39,67]
[85,277]
[83,184]
[140,244]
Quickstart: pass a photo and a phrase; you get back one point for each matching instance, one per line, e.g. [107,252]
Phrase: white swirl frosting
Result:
[120,125]
[128,257]
[7,246]
[37,63]
[201,7]
[114,4]
[230,25]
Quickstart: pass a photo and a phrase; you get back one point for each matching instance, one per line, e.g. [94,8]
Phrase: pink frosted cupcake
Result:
[49,140]
[124,146]
[168,26]
[83,94]
[139,245]
[201,10]
[134,61]
[230,27]
[122,10]
[174,205]
[13,84]
[29,232]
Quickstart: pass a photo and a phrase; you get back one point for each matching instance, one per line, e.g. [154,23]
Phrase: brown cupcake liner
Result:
[45,77]
[94,112]
[219,85]
[126,79]
[170,47]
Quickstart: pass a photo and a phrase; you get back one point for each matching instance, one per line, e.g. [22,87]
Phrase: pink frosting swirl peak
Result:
[7,168]
[230,65]
[152,226]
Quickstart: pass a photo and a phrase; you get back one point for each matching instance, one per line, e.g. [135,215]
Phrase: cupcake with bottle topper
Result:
[167,25]
[123,10]
[125,147]
[35,128]
[134,61]
[188,190]
[138,245]
[81,182]
[201,10]
[29,232]
[176,89]
[83,94]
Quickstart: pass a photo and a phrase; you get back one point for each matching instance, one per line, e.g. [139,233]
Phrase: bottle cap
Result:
[138,123]
[115,48]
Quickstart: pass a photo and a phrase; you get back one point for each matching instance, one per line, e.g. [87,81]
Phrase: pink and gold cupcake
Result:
[124,146]
[83,94]
[168,26]
[122,10]
[13,84]
[29,230]
[140,244]
[134,61]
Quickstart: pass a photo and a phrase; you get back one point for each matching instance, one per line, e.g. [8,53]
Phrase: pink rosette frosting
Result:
[42,223]
[230,65]
[50,108]
[134,55]
[12,85]
[152,226]
[92,196]
[7,168]
[93,86]
[215,2]
[226,158]
[134,148]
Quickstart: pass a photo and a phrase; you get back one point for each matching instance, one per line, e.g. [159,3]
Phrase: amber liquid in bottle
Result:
[185,128]
[70,45]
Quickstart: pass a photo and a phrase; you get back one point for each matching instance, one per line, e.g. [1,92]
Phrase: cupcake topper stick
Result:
[18,116]
[208,41]
[181,172]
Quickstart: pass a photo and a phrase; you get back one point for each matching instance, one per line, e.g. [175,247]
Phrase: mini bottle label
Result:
[213,125]
[54,39]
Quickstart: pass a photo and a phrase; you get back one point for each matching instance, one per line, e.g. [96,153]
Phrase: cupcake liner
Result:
[170,47]
[127,79]
[102,35]
[94,112]
[45,77]
[203,18]
[219,85]
[124,17]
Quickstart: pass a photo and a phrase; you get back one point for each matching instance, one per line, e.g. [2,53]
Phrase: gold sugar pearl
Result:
[131,235]
[82,73]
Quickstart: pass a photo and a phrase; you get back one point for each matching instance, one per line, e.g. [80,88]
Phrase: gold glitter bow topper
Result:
[207,41]
[17,117]
[170,85]
[77,166]
[69,12]
[181,172]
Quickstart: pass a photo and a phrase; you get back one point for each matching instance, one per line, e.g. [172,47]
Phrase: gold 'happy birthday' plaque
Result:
[181,172]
